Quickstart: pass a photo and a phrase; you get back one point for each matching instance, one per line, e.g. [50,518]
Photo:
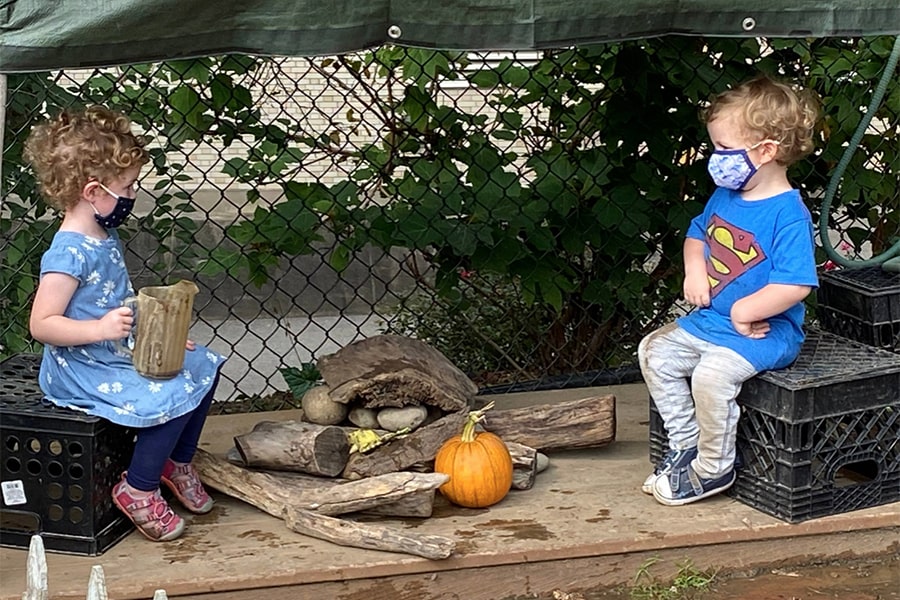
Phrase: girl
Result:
[87,164]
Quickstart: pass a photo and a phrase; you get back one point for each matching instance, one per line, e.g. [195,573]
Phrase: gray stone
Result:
[319,408]
[395,419]
[366,418]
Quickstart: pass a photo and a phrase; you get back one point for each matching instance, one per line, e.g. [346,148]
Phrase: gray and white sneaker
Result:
[677,459]
[683,486]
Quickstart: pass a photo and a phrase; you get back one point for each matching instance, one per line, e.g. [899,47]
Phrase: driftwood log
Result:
[585,423]
[295,446]
[416,504]
[369,535]
[397,455]
[277,497]
[271,493]
[392,370]
[524,459]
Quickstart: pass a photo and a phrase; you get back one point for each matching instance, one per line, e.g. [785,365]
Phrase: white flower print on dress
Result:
[188,388]
[76,252]
[93,278]
[125,409]
[117,387]
[213,357]
[103,388]
[154,387]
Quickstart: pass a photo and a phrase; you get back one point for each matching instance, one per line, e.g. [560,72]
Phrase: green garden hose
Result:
[890,258]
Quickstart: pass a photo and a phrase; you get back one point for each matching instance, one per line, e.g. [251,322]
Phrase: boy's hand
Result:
[755,329]
[696,289]
[116,324]
[190,345]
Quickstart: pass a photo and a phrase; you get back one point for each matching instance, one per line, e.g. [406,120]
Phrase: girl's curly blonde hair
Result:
[771,110]
[75,147]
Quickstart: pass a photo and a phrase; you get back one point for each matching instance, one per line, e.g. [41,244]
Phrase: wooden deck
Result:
[584,524]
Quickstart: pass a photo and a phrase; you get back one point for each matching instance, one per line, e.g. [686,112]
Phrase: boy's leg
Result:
[715,385]
[667,358]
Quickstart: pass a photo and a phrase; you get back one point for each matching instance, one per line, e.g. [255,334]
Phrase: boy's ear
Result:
[768,150]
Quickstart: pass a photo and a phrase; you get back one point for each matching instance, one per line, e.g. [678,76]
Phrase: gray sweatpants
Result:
[694,385]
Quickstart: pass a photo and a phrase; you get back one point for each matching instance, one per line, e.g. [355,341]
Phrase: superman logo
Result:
[732,251]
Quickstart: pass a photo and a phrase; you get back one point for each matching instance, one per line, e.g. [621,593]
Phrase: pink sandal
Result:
[152,515]
[184,481]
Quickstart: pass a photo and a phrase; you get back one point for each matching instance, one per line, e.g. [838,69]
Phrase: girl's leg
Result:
[715,385]
[137,494]
[152,450]
[186,444]
[667,358]
[178,473]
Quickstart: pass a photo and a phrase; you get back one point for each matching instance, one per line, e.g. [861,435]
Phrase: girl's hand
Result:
[755,330]
[190,345]
[696,289]
[116,324]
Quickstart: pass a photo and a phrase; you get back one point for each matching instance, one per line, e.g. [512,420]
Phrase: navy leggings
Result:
[176,439]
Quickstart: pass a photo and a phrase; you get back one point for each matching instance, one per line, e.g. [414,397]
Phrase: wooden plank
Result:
[579,575]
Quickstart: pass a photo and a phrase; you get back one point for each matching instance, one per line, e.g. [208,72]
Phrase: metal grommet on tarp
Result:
[394,32]
[748,24]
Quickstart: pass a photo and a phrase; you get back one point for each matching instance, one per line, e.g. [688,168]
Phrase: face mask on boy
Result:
[118,215]
[732,169]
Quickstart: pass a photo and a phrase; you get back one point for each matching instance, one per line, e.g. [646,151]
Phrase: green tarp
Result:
[48,34]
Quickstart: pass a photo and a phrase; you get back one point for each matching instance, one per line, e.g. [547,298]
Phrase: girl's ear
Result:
[90,190]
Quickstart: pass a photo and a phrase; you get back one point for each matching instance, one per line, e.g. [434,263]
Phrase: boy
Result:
[749,263]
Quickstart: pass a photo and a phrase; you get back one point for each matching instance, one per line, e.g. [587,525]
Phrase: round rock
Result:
[395,419]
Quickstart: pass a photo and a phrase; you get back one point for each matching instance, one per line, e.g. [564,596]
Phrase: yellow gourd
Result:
[479,465]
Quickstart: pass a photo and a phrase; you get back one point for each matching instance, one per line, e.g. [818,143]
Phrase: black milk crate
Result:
[819,437]
[58,468]
[861,304]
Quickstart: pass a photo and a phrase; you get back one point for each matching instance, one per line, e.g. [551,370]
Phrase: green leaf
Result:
[485,79]
[301,380]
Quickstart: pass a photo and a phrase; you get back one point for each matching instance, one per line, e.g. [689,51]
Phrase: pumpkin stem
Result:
[476,416]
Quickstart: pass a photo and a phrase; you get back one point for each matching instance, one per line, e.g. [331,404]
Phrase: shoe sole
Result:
[174,489]
[682,501]
[166,538]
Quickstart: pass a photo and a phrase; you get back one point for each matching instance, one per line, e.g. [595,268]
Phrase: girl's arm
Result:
[49,326]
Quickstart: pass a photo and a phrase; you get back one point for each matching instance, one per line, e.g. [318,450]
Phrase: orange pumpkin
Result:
[478,464]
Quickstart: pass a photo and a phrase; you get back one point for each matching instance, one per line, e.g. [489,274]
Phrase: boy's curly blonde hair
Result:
[771,110]
[76,147]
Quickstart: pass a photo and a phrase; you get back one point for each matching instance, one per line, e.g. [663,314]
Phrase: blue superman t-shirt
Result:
[750,244]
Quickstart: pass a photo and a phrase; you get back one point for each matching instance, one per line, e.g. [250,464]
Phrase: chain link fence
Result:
[522,212]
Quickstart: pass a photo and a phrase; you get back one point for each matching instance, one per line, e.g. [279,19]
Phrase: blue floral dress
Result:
[97,378]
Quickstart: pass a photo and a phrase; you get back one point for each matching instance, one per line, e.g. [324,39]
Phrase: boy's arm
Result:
[696,281]
[771,300]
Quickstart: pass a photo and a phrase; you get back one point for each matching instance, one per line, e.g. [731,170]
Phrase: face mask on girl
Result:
[732,169]
[119,213]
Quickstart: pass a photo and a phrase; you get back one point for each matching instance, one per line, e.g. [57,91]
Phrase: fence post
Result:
[2,131]
[97,584]
[36,571]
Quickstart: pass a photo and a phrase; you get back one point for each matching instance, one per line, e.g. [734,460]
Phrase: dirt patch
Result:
[870,579]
